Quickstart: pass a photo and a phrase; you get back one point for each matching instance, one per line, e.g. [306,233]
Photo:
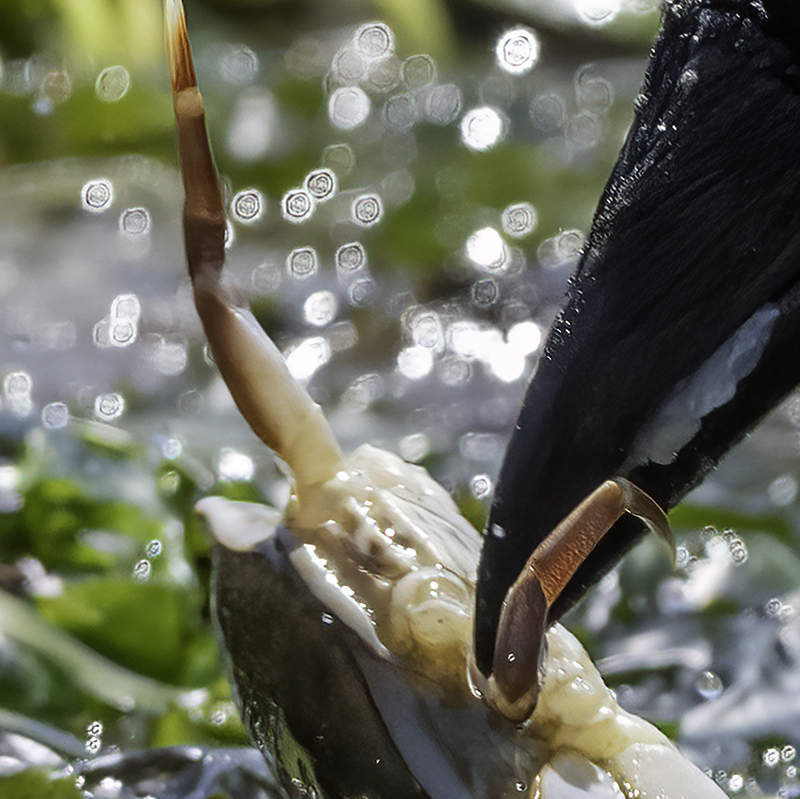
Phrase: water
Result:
[446,287]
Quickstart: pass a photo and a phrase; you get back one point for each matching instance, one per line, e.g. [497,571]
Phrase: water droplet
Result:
[247,206]
[681,557]
[481,128]
[738,550]
[454,371]
[327,618]
[788,753]
[97,195]
[735,783]
[583,130]
[774,607]
[351,258]
[771,757]
[235,466]
[443,103]
[348,107]
[134,222]
[122,333]
[418,70]
[302,263]
[320,308]
[517,51]
[485,293]
[519,219]
[487,250]
[297,205]
[112,84]
[708,685]
[349,66]
[480,486]
[520,786]
[367,210]
[141,571]
[321,184]
[109,406]
[55,416]
[153,548]
[95,728]
[374,40]
[496,531]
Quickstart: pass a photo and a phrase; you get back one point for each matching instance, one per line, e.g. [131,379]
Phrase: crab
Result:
[348,616]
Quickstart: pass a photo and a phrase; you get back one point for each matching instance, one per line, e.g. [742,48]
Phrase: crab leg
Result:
[274,404]
[514,682]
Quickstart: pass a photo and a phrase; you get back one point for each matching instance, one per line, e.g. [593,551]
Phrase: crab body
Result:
[348,627]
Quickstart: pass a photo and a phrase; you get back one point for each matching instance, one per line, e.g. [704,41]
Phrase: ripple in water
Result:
[517,51]
[97,195]
[297,205]
[247,206]
[367,210]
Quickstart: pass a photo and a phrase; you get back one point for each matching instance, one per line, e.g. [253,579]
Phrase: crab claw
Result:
[275,405]
[513,686]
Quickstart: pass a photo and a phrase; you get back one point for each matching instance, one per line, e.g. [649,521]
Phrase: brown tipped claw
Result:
[513,686]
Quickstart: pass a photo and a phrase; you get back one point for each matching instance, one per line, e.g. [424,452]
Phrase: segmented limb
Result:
[275,405]
[514,683]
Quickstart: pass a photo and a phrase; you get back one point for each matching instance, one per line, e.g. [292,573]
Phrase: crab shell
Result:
[347,622]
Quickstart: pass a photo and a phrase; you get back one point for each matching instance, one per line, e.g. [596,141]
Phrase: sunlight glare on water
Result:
[17,388]
[348,107]
[517,51]
[97,195]
[597,12]
[367,210]
[108,407]
[482,128]
[374,40]
[487,250]
[320,308]
[302,263]
[112,84]
[350,258]
[297,205]
[519,220]
[321,184]
[247,206]
[308,356]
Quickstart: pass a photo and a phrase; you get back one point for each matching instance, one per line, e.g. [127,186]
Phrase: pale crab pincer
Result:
[348,616]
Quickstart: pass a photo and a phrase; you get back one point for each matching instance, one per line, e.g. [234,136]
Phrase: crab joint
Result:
[513,686]
[276,406]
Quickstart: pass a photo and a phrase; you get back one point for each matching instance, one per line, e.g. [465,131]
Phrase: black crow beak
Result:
[681,324]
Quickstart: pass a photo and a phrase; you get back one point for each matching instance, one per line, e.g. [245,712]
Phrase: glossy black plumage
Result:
[698,229]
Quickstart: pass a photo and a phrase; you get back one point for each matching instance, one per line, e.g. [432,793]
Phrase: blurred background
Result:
[409,185]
